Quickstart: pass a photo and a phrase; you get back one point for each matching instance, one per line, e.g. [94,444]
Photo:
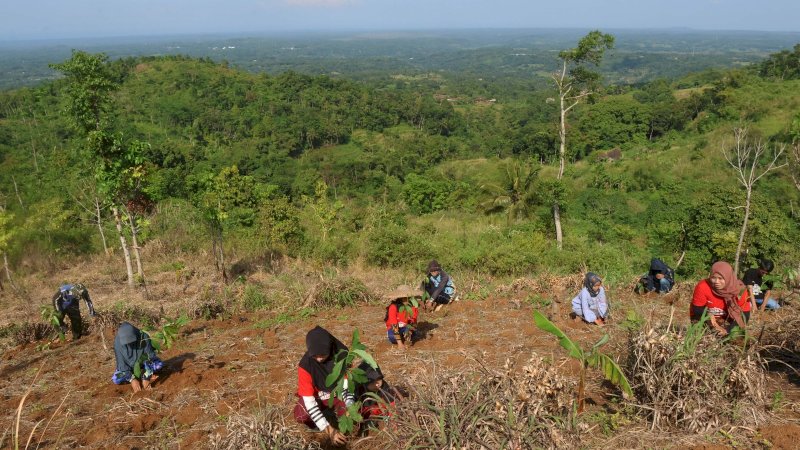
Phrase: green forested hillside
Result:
[337,171]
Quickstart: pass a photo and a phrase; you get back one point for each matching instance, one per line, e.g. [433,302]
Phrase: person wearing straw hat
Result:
[438,285]
[401,315]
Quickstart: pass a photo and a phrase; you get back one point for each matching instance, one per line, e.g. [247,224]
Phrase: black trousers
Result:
[75,323]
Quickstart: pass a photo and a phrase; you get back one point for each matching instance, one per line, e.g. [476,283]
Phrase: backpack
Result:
[68,293]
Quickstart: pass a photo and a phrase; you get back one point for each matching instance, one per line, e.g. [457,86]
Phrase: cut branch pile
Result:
[691,380]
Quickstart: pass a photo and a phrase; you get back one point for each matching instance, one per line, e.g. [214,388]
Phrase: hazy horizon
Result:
[53,20]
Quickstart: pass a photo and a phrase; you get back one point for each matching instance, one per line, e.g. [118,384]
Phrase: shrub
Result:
[693,381]
[511,407]
[338,292]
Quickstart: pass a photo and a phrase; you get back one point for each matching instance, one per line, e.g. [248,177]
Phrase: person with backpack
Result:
[401,316]
[590,304]
[137,361]
[313,407]
[660,278]
[438,285]
[66,302]
[760,291]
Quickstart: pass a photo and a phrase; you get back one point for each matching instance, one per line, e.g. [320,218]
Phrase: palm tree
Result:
[513,195]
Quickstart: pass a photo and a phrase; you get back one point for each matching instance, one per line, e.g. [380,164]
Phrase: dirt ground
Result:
[236,366]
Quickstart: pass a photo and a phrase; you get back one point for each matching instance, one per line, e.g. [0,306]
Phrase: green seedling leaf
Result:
[367,358]
[333,377]
[545,325]
[358,376]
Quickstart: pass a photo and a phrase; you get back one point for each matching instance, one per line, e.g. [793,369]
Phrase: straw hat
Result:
[404,291]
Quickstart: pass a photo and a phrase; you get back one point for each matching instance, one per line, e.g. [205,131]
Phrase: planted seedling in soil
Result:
[593,358]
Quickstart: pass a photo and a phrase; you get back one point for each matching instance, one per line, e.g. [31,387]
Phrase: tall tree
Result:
[90,82]
[576,83]
[751,161]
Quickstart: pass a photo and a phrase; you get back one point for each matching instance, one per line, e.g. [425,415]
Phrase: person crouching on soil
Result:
[439,286]
[590,304]
[377,397]
[723,297]
[312,408]
[137,362]
[401,316]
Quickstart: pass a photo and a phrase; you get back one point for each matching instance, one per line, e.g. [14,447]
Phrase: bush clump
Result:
[338,292]
[506,408]
[691,380]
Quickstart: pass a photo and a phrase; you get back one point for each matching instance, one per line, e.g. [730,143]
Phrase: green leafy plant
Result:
[163,338]
[344,370]
[52,317]
[593,358]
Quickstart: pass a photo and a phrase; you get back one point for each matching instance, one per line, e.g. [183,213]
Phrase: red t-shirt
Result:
[705,296]
[305,384]
[402,316]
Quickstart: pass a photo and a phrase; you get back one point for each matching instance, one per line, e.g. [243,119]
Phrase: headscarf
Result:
[589,282]
[320,342]
[730,292]
[434,266]
[129,345]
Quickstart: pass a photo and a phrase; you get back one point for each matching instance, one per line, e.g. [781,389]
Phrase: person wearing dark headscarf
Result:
[376,395]
[723,297]
[322,352]
[439,286]
[590,304]
[137,361]
[759,289]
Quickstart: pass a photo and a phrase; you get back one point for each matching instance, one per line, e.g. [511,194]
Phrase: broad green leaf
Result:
[611,371]
[332,377]
[358,376]
[367,358]
[602,341]
[546,325]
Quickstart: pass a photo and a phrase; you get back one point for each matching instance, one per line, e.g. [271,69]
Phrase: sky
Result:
[56,19]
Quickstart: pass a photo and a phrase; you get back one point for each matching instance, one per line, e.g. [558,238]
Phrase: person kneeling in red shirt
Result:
[313,407]
[401,316]
[723,297]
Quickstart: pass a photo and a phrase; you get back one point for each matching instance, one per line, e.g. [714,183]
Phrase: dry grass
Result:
[691,380]
[512,407]
[266,429]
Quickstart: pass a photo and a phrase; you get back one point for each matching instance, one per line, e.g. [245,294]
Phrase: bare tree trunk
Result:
[99,216]
[222,258]
[124,244]
[8,271]
[744,229]
[16,191]
[557,219]
[135,242]
[562,154]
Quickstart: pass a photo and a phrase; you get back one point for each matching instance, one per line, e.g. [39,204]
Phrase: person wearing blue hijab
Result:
[590,304]
[137,361]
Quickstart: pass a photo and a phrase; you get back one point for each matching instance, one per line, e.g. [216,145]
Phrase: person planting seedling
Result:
[66,303]
[137,362]
[324,392]
[402,315]
[439,287]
